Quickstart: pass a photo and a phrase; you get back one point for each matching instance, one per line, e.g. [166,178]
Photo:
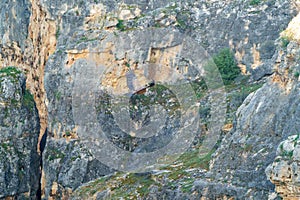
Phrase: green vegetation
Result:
[254,2]
[126,186]
[68,133]
[127,64]
[285,153]
[181,23]
[227,66]
[57,32]
[86,39]
[296,139]
[55,154]
[192,159]
[137,186]
[248,147]
[161,95]
[57,95]
[284,42]
[187,185]
[10,71]
[296,75]
[28,100]
[5,146]
[200,88]
[120,25]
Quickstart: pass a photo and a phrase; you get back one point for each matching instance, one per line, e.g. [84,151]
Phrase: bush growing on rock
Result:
[227,66]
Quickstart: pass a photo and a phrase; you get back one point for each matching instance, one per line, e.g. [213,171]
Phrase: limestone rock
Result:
[284,170]
[19,128]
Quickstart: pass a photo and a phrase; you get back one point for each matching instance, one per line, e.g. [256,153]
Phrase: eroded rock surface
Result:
[283,172]
[19,128]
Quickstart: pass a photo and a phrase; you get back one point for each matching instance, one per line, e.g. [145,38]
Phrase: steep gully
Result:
[39,45]
[43,43]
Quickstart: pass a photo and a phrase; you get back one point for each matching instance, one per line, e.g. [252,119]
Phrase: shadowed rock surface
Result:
[19,128]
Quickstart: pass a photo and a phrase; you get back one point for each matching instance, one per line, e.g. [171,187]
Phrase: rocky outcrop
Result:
[266,117]
[283,172]
[19,128]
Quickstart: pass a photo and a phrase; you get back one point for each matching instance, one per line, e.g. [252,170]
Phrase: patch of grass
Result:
[200,88]
[10,71]
[187,185]
[248,147]
[55,154]
[141,182]
[177,174]
[125,186]
[93,187]
[85,39]
[57,95]
[188,160]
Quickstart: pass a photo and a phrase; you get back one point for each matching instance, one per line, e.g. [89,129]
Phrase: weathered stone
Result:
[61,36]
[283,172]
[19,128]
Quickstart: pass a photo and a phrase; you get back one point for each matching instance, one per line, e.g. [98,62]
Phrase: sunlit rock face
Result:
[284,171]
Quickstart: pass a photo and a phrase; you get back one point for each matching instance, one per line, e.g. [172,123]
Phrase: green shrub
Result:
[120,25]
[227,66]
[284,42]
[28,100]
[10,71]
[254,2]
[296,75]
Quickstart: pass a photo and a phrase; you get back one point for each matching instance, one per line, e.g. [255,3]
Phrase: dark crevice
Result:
[42,145]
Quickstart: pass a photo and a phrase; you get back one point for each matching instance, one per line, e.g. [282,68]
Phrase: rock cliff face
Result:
[20,162]
[62,45]
[283,172]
